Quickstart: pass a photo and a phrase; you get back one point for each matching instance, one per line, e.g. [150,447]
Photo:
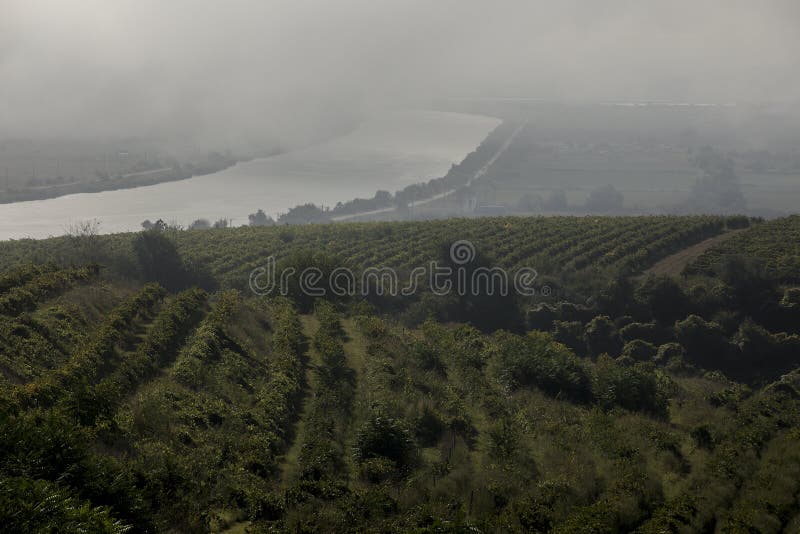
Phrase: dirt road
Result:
[673,265]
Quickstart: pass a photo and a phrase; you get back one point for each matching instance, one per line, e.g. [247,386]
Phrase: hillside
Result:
[133,400]
[776,244]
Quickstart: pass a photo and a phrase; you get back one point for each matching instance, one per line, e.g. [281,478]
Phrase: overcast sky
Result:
[135,67]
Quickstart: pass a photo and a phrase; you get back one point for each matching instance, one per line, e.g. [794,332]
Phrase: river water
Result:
[388,151]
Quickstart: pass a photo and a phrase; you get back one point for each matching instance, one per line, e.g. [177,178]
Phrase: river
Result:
[388,151]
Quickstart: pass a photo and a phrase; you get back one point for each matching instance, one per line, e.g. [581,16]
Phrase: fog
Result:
[286,70]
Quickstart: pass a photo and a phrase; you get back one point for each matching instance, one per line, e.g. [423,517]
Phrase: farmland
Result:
[143,386]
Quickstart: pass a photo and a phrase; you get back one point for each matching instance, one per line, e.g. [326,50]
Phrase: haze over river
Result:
[388,151]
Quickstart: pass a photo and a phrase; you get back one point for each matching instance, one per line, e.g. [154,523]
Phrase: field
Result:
[131,400]
[655,173]
[552,245]
[776,244]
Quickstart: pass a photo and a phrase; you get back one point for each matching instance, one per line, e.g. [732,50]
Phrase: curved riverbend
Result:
[388,151]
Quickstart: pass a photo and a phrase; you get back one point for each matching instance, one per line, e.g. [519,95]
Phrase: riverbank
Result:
[214,163]
[390,150]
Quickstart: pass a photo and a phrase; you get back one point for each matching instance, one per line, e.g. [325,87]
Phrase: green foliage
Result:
[164,338]
[635,388]
[22,275]
[159,261]
[28,505]
[639,351]
[385,438]
[322,453]
[207,342]
[602,337]
[650,332]
[663,297]
[706,343]
[183,412]
[773,243]
[537,360]
[26,297]
[571,334]
[99,351]
[299,286]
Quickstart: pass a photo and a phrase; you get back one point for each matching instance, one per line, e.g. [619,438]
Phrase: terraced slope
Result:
[125,408]
[174,410]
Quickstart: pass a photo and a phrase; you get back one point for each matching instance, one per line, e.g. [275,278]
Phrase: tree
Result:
[85,242]
[304,290]
[602,337]
[650,332]
[383,197]
[304,214]
[633,387]
[751,286]
[536,359]
[719,188]
[159,260]
[260,218]
[706,343]
[570,333]
[384,437]
[200,224]
[663,297]
[482,303]
[639,350]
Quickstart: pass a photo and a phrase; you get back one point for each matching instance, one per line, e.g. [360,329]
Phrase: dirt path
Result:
[673,265]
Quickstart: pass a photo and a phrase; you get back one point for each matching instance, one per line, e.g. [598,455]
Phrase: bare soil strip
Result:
[673,265]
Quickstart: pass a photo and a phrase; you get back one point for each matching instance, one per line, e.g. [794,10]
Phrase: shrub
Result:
[384,437]
[28,505]
[602,337]
[538,360]
[570,334]
[650,332]
[635,388]
[377,470]
[663,297]
[706,343]
[640,351]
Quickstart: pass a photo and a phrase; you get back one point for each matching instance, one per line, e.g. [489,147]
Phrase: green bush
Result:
[635,388]
[386,438]
[639,351]
[538,360]
[602,337]
[28,505]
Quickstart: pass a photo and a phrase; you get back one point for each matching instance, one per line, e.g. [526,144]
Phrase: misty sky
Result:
[272,67]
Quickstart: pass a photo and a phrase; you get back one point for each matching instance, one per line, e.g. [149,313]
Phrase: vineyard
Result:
[775,243]
[559,246]
[112,396]
[551,245]
[133,401]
